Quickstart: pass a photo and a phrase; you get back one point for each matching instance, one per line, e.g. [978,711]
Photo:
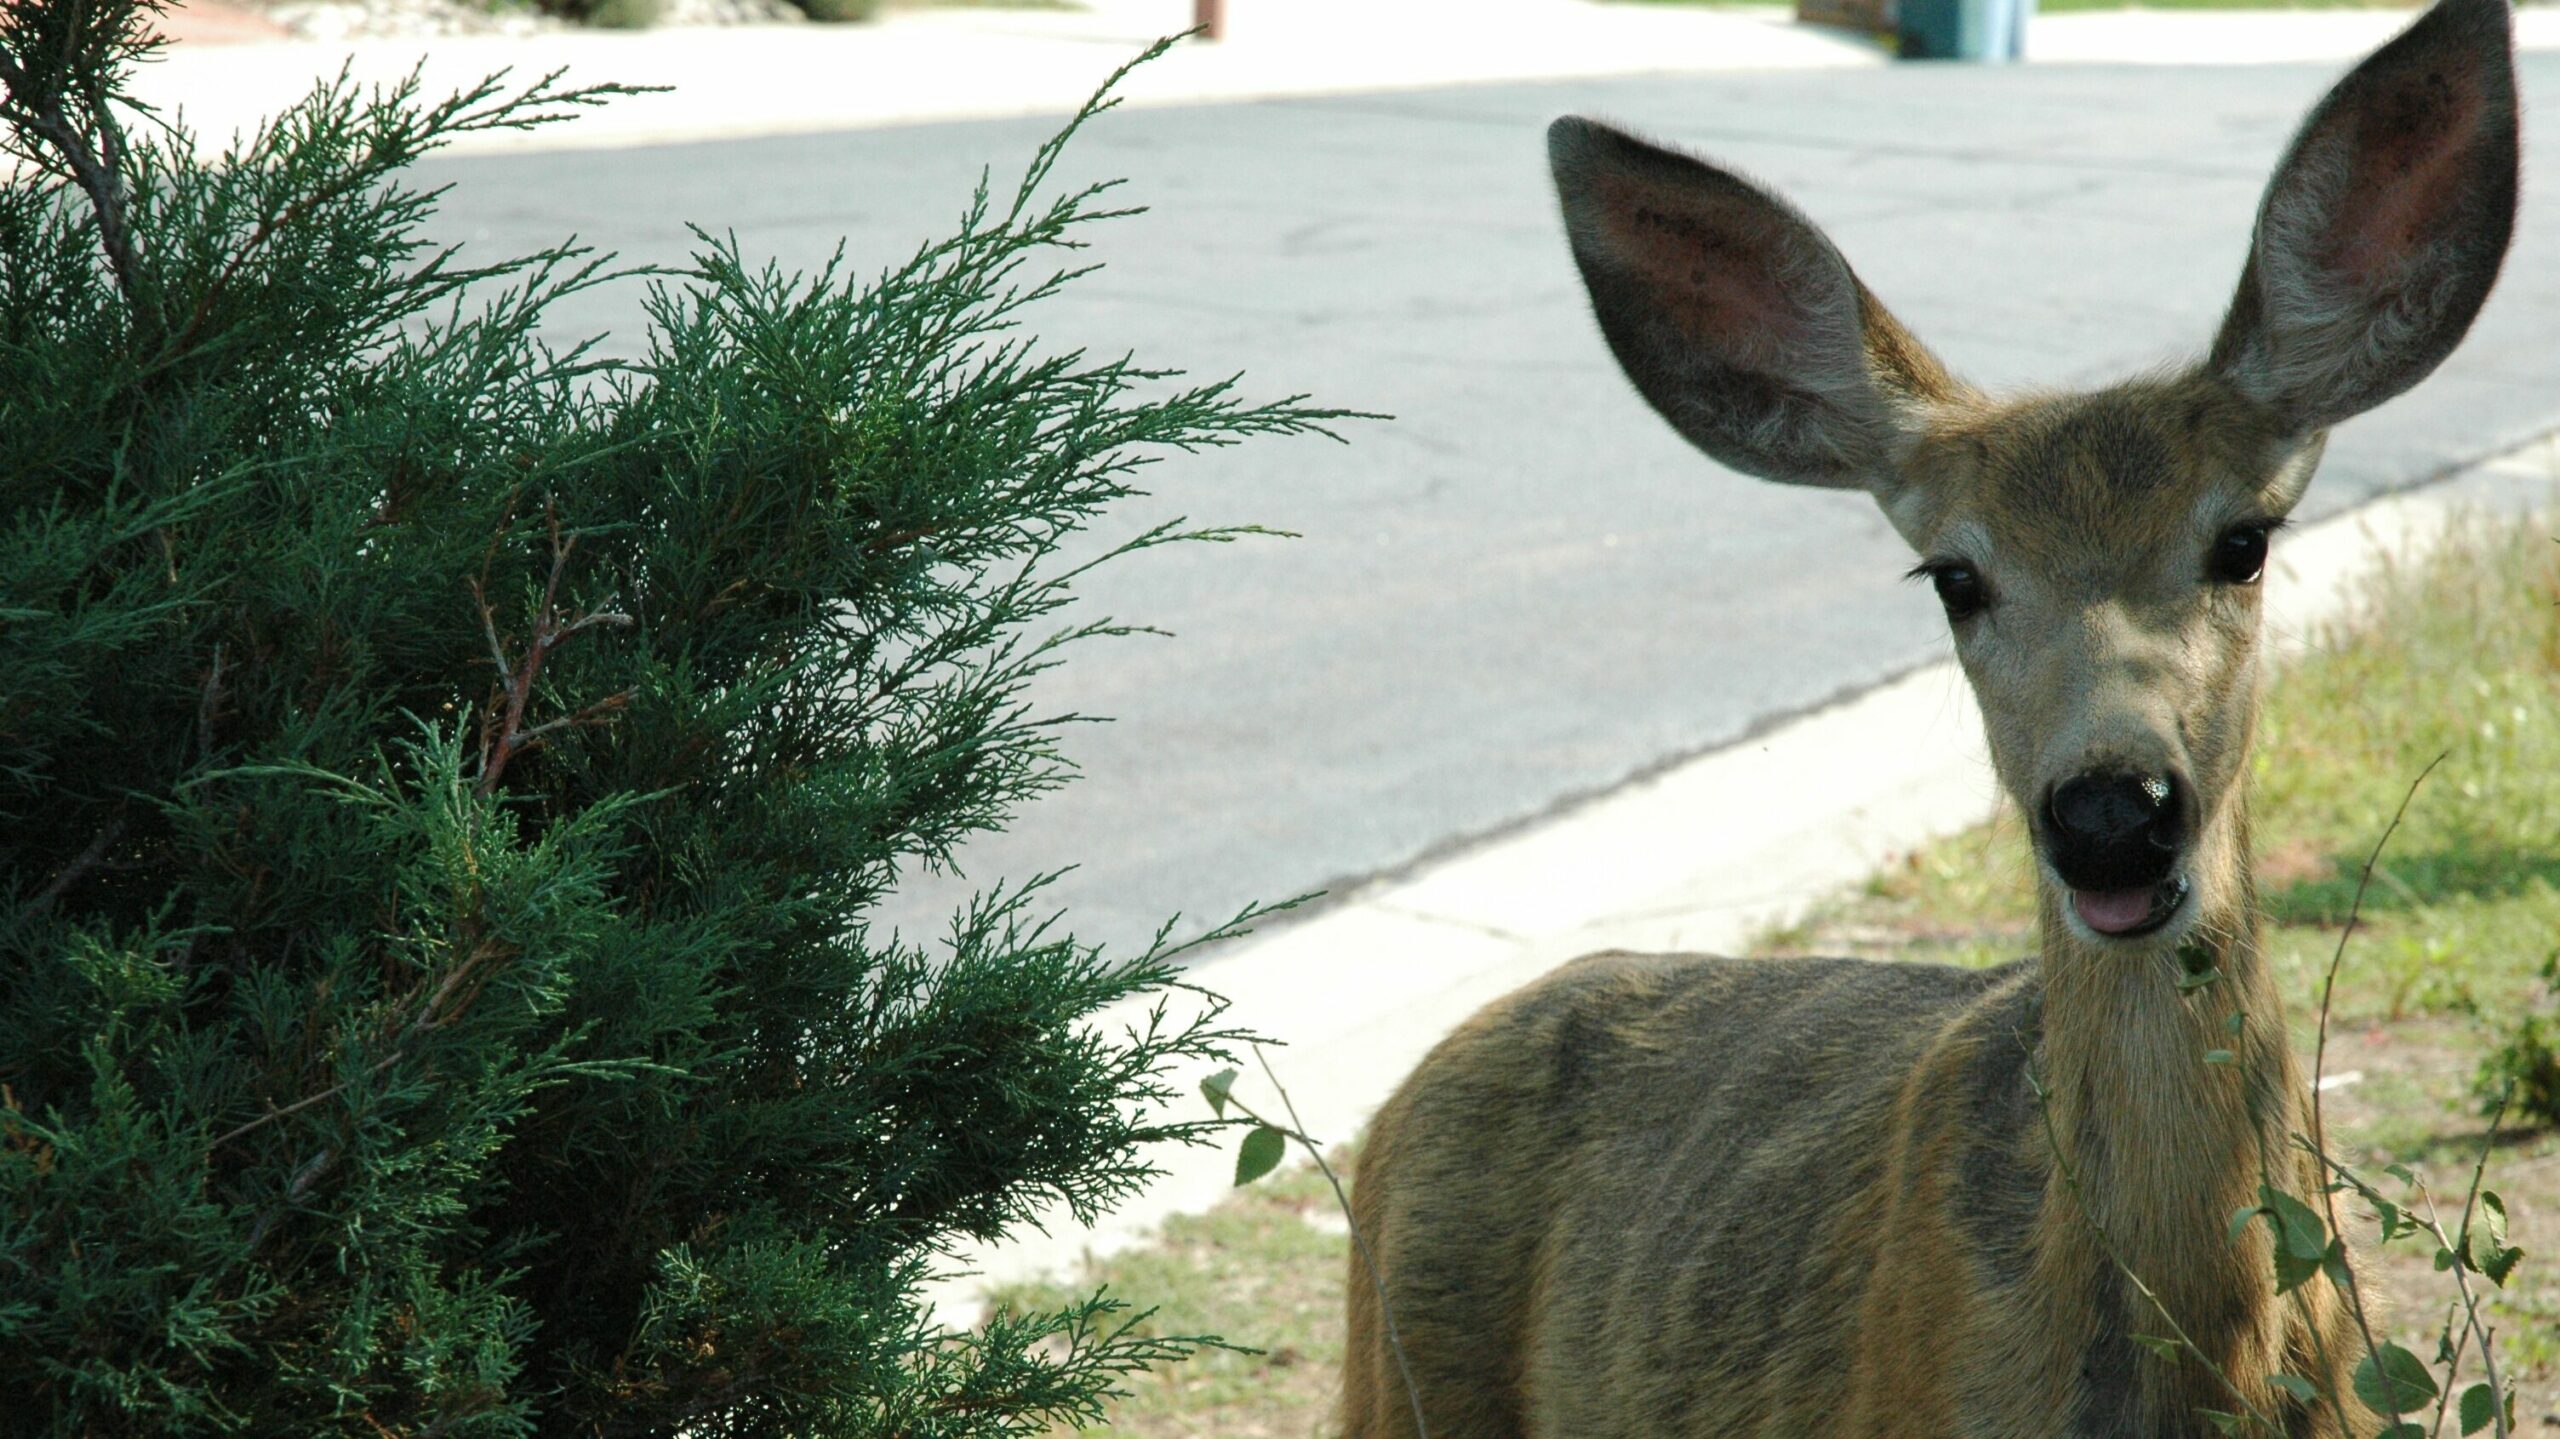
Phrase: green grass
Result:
[1265,1269]
[2458,657]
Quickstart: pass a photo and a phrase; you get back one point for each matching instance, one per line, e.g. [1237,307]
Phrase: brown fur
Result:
[1689,1196]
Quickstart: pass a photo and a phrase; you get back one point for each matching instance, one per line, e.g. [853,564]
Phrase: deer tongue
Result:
[2114,911]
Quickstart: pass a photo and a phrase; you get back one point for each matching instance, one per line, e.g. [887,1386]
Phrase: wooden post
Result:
[1209,17]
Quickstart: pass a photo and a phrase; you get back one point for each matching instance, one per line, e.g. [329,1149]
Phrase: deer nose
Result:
[2113,831]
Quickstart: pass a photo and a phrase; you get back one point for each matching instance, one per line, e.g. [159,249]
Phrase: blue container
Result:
[1964,29]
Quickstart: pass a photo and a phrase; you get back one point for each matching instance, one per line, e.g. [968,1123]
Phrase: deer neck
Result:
[2168,1112]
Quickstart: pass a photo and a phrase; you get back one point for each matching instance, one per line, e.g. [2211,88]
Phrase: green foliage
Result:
[1263,1149]
[839,11]
[2522,1067]
[1264,1267]
[602,14]
[2480,1408]
[2391,1380]
[443,782]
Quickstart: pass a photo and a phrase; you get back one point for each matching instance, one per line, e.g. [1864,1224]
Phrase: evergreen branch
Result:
[1045,158]
[431,1016]
[96,169]
[472,1064]
[397,135]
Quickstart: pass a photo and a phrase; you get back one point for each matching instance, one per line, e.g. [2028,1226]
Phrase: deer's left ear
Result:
[2384,225]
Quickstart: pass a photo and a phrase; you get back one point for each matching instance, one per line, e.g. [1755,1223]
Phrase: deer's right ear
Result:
[1735,317]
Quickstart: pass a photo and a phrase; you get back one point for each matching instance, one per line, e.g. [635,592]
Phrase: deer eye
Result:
[2240,556]
[1959,588]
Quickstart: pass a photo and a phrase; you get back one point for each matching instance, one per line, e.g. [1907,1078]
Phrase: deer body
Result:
[1816,1197]
[1691,1196]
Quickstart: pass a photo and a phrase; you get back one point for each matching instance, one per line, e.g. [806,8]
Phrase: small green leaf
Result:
[2444,1257]
[2391,1380]
[2479,1407]
[2293,1271]
[1262,1152]
[2400,1172]
[2388,1215]
[1216,1089]
[2241,1216]
[2231,1022]
[2220,1056]
[2304,1235]
[2297,1386]
[2402,1430]
[2335,1264]
[2485,1242]
[2166,1348]
[2191,982]
[2223,1421]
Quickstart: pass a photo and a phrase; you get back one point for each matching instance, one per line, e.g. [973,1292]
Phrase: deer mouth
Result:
[2130,913]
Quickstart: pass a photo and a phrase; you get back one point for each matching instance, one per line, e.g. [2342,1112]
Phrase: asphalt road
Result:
[1524,589]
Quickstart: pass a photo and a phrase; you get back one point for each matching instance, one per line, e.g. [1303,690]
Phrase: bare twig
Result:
[2320,1059]
[503,732]
[209,708]
[303,1178]
[2355,913]
[296,1107]
[2452,1373]
[78,869]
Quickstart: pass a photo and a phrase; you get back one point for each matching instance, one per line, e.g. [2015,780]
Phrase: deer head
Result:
[2097,553]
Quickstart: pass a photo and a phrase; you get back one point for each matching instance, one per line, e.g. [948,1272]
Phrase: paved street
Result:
[1524,589]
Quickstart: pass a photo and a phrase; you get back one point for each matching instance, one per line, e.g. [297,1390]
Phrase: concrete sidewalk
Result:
[917,66]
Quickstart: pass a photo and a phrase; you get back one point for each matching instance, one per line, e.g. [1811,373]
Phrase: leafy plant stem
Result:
[2462,1285]
[1296,1130]
[2320,1049]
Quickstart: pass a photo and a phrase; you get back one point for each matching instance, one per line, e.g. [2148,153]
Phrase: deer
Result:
[1683,1195]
